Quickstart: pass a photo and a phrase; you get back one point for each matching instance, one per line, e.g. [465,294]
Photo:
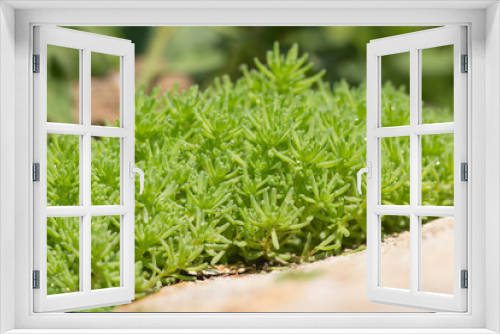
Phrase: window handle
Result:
[368,171]
[134,170]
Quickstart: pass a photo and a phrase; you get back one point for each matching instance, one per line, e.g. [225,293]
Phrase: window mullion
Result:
[80,120]
[86,160]
[415,160]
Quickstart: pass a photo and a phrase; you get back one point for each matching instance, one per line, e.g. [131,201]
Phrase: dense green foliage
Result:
[260,170]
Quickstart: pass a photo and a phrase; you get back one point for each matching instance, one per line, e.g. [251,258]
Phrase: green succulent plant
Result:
[260,170]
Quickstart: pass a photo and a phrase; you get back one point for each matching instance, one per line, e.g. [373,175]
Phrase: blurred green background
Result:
[196,55]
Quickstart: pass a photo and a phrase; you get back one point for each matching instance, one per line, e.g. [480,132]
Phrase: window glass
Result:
[395,93]
[63,255]
[395,252]
[437,76]
[105,252]
[436,253]
[105,89]
[438,169]
[105,170]
[395,171]
[63,85]
[63,170]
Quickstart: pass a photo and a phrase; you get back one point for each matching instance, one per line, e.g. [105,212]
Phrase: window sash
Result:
[86,43]
[413,43]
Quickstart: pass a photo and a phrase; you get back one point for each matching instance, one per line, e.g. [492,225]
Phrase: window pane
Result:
[105,170]
[395,172]
[395,261]
[437,170]
[437,84]
[63,170]
[63,85]
[63,255]
[395,99]
[105,89]
[105,252]
[437,254]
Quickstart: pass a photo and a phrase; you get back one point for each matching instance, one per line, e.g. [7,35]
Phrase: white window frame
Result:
[483,21]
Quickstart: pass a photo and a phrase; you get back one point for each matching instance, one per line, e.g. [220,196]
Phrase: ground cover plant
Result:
[256,172]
